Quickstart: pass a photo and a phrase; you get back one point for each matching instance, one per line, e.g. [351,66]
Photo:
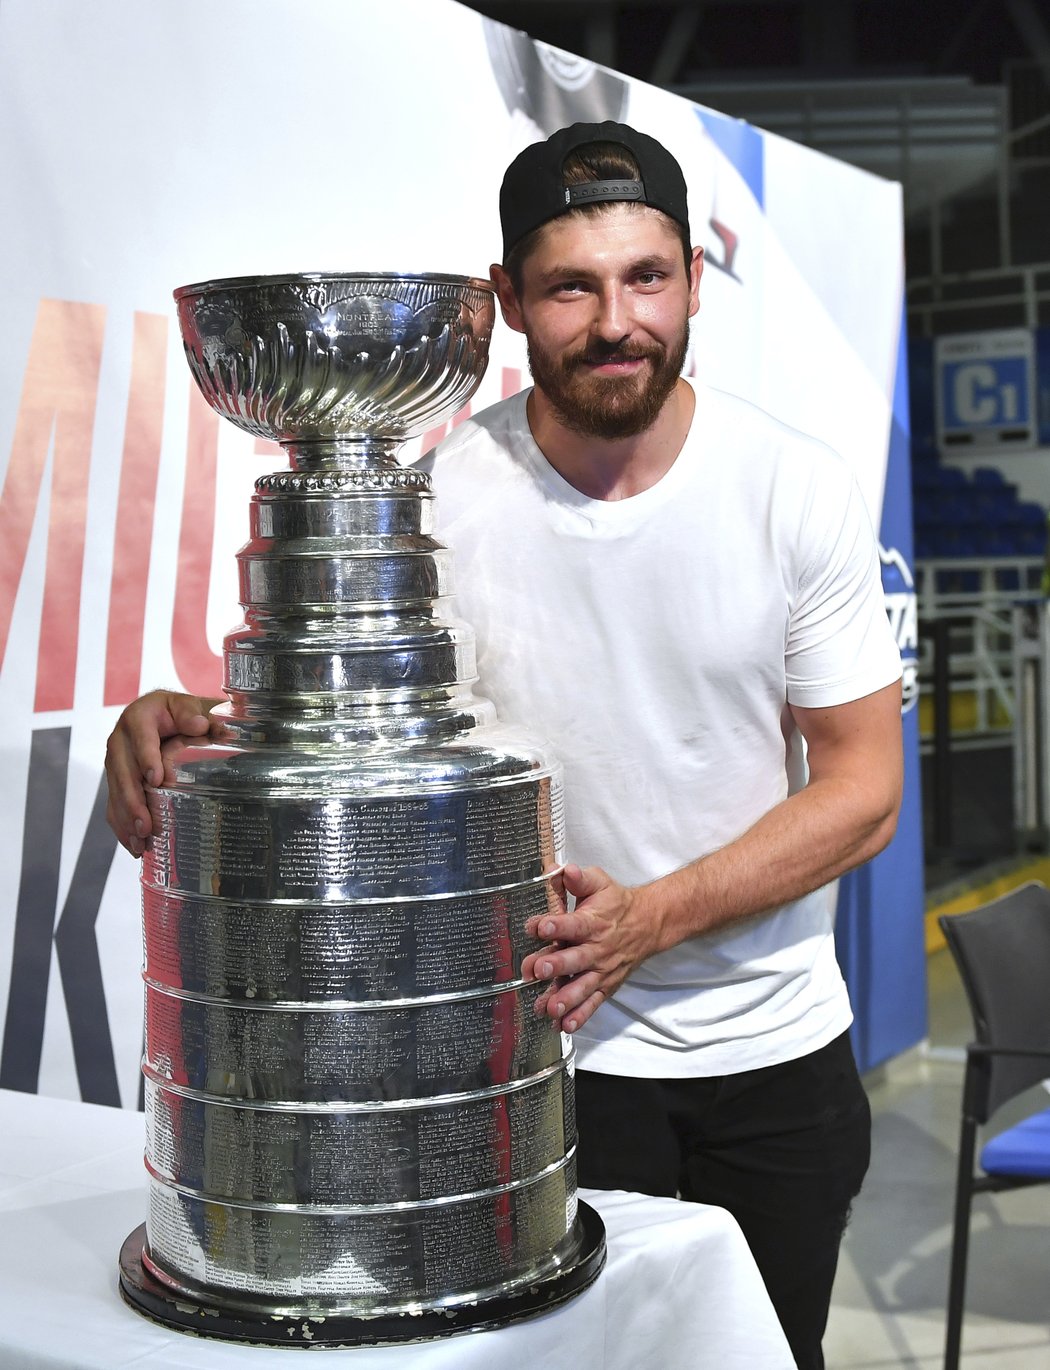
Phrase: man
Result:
[676,590]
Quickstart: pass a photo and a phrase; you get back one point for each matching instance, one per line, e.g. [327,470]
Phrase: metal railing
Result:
[934,302]
[975,600]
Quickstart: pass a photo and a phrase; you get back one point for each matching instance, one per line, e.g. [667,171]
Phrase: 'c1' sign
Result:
[984,388]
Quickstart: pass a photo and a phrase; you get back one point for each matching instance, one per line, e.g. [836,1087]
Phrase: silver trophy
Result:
[358,1131]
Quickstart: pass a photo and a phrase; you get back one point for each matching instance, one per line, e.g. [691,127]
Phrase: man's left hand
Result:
[592,950]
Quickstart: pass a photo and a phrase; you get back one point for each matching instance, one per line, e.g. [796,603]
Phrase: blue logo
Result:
[903,614]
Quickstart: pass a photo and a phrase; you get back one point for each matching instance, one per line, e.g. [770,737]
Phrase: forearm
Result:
[801,844]
[798,846]
[844,816]
[846,813]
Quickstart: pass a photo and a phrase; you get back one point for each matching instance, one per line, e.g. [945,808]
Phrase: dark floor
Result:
[968,814]
[888,1306]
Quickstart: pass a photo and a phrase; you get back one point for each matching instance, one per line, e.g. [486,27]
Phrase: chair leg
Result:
[960,1243]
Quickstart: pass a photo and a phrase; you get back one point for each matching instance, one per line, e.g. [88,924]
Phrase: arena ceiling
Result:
[680,44]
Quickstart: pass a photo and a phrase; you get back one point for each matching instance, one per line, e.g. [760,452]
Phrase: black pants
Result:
[784,1149]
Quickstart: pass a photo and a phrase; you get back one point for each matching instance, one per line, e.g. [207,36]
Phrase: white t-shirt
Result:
[655,642]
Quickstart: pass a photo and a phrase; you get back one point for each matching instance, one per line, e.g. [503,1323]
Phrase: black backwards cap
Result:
[533,191]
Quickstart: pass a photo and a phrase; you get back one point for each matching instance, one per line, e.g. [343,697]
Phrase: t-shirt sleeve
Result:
[840,646]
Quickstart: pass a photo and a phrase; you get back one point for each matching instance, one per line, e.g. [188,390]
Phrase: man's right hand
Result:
[133,757]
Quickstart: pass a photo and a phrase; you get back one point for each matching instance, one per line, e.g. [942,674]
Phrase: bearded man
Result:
[683,596]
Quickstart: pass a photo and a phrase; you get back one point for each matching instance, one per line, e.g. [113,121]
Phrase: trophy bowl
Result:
[323,358]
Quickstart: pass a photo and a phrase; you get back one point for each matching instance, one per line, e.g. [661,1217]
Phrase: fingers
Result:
[127,811]
[575,1020]
[134,759]
[189,714]
[542,1002]
[557,884]
[216,725]
[551,963]
[572,939]
[584,881]
[571,1002]
[583,959]
[118,821]
[562,927]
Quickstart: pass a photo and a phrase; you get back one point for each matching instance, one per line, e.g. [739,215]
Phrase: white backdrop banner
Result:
[143,147]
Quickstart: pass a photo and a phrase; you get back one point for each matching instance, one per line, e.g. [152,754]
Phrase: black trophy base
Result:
[178,1310]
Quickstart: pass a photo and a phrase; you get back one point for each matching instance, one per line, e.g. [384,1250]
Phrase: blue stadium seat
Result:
[950,478]
[988,477]
[924,475]
[1002,951]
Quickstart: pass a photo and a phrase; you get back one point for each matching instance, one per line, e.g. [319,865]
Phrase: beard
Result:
[608,406]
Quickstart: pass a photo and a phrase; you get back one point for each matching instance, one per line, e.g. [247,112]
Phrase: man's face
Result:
[605,305]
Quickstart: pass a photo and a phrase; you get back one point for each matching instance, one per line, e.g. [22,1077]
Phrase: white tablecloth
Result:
[679,1292]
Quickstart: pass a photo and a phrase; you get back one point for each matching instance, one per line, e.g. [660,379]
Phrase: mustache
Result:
[615,352]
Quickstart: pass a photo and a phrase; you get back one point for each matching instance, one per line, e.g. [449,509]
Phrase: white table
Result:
[680,1290]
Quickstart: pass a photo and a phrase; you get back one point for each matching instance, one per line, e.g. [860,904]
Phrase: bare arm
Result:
[844,816]
[133,757]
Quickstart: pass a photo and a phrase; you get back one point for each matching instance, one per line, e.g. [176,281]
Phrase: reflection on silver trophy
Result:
[357,1129]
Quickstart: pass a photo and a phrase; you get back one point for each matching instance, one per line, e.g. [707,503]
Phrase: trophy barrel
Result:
[358,1130]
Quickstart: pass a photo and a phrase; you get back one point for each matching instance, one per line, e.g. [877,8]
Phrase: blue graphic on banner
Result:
[880,933]
[741,144]
[902,610]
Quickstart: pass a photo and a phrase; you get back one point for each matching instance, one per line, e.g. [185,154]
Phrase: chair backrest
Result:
[1003,953]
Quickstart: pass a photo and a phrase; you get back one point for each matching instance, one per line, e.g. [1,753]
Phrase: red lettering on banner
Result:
[58,398]
[511,381]
[511,384]
[199,668]
[138,496]
[433,436]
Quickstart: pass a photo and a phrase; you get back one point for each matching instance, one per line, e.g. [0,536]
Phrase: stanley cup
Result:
[358,1130]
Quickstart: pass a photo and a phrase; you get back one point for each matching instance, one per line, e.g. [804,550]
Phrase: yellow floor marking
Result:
[1037,869]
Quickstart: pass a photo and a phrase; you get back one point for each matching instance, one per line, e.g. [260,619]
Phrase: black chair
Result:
[1002,951]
